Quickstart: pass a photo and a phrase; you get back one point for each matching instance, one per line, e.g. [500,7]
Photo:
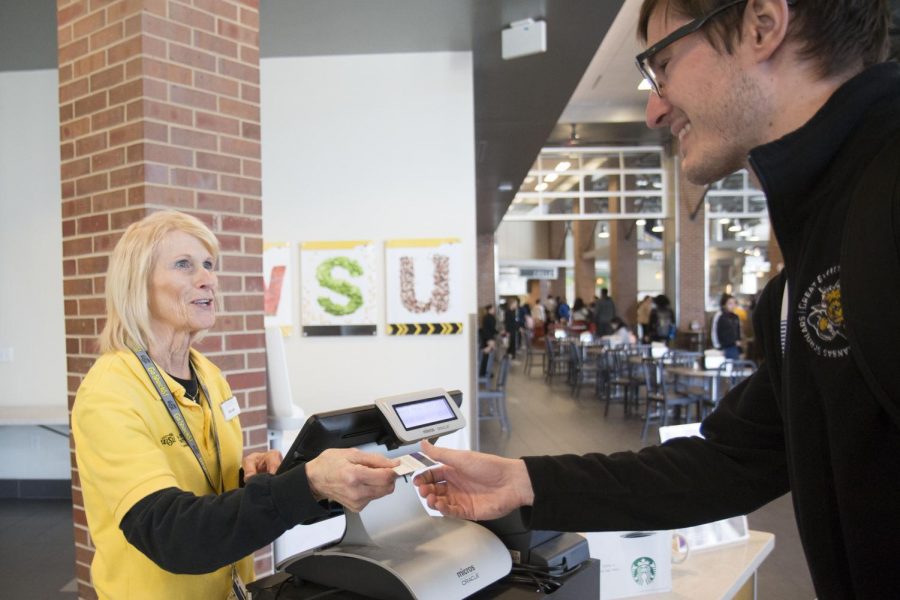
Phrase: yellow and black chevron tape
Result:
[424,328]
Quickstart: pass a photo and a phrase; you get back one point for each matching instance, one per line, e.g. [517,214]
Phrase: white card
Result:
[410,463]
[230,408]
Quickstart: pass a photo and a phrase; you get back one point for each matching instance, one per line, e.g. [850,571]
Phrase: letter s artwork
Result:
[326,278]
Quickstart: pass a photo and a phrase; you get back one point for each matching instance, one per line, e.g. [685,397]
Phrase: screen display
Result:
[424,412]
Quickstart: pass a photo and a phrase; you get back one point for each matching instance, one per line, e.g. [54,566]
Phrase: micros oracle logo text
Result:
[467,575]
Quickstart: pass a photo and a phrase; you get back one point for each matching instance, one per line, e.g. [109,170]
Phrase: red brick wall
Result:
[487,293]
[691,256]
[159,107]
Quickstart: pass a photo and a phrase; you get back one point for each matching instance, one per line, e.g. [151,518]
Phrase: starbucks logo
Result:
[643,570]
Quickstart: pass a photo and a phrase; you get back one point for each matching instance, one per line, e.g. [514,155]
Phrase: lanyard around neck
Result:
[165,394]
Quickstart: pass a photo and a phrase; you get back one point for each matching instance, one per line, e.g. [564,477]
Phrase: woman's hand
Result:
[261,462]
[350,477]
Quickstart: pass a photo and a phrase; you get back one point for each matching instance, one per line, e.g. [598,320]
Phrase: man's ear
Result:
[765,26]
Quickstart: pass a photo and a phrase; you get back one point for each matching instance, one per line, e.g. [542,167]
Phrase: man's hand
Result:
[350,477]
[261,462]
[472,485]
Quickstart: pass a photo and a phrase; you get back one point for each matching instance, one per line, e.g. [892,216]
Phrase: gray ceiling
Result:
[518,103]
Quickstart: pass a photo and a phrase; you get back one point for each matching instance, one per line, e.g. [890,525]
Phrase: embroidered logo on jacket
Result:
[170,439]
[821,316]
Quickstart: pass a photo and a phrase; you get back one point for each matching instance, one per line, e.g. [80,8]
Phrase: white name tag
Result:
[230,408]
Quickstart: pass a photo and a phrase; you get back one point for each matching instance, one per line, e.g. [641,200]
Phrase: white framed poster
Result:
[337,288]
[423,286]
[278,274]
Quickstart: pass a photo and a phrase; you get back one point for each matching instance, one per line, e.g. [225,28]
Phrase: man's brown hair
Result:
[836,35]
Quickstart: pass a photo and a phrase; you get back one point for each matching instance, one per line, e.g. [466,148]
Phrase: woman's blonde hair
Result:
[128,277]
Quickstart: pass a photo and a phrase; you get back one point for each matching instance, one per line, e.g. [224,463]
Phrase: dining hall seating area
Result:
[650,382]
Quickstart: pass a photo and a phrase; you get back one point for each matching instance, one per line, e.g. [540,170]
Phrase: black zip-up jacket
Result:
[727,329]
[821,417]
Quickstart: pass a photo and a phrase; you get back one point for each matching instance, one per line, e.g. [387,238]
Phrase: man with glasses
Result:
[799,93]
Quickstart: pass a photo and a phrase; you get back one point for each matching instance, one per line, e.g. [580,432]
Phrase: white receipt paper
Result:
[410,463]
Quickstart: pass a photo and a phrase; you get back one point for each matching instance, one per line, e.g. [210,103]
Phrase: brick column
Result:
[691,256]
[623,269]
[159,107]
[584,270]
[487,290]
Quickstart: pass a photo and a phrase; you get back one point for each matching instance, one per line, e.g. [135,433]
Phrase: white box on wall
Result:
[523,38]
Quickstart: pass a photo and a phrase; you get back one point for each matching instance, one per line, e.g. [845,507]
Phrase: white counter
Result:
[719,573]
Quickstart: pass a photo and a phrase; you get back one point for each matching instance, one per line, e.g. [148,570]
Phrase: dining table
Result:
[709,379]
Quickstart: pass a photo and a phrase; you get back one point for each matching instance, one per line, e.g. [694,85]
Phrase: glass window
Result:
[643,182]
[725,204]
[642,160]
[558,163]
[644,204]
[735,181]
[522,206]
[601,183]
[562,206]
[591,161]
[757,204]
[594,180]
[738,237]
[596,205]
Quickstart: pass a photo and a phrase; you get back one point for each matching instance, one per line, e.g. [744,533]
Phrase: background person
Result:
[800,94]
[487,337]
[620,335]
[604,311]
[644,308]
[726,328]
[167,522]
[511,325]
[662,320]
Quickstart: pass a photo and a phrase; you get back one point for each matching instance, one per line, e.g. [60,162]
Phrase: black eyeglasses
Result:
[644,58]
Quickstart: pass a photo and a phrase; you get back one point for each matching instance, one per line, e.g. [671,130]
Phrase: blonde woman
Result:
[158,437]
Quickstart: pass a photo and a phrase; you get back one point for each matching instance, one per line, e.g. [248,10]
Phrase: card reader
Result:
[421,415]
